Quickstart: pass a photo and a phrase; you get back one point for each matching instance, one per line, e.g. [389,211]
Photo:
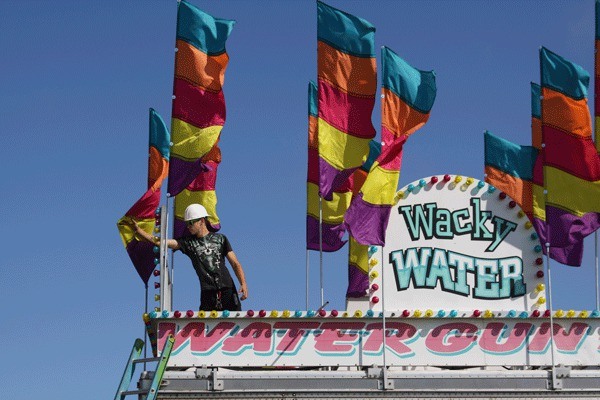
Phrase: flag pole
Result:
[170,280]
[383,330]
[321,249]
[597,273]
[547,244]
[307,266]
[597,137]
[145,330]
[550,307]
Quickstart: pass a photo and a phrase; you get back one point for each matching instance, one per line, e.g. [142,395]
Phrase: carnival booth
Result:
[456,302]
[449,292]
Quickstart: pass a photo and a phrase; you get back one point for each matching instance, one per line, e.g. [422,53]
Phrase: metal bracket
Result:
[203,372]
[374,372]
[383,383]
[212,381]
[556,376]
[215,384]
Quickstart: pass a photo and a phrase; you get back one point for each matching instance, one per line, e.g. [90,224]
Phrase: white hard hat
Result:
[195,211]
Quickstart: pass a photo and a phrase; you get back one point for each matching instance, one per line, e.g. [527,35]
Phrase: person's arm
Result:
[239,272]
[171,243]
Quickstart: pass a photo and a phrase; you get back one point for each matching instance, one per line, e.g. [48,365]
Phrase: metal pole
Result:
[547,244]
[385,382]
[170,281]
[145,331]
[307,265]
[597,273]
[166,294]
[321,248]
[551,310]
[597,137]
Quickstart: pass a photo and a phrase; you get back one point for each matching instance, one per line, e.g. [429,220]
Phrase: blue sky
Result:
[76,82]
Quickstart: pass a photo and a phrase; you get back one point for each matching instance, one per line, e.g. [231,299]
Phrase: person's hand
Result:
[244,292]
[132,224]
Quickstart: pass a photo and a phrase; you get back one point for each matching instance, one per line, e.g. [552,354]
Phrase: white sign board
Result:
[281,342]
[457,244]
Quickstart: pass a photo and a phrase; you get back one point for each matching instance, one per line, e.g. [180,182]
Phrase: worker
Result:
[207,250]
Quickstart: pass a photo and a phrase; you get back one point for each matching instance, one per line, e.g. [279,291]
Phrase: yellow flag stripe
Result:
[191,143]
[340,150]
[570,193]
[380,186]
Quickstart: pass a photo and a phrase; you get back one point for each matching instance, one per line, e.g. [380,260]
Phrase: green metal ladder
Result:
[134,358]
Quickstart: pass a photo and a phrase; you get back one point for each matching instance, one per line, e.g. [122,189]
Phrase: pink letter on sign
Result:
[294,334]
[203,343]
[194,332]
[164,330]
[451,339]
[566,342]
[334,332]
[398,333]
[256,336]
[496,338]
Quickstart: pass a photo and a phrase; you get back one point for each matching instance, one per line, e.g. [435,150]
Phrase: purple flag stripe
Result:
[358,282]
[332,179]
[142,257]
[182,173]
[332,235]
[366,222]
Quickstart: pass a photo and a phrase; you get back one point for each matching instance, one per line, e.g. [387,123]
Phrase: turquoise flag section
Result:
[415,87]
[160,138]
[374,152]
[563,76]
[203,31]
[536,104]
[345,32]
[509,157]
[597,20]
[313,99]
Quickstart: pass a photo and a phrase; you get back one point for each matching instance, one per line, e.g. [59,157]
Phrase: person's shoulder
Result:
[185,239]
[219,237]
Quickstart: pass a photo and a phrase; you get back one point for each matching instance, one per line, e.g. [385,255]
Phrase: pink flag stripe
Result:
[188,99]
[346,112]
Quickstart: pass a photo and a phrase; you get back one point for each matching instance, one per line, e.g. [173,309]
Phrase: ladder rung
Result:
[143,360]
[129,392]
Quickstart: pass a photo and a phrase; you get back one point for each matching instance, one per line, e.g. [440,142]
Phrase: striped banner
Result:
[198,111]
[408,96]
[347,83]
[571,162]
[358,267]
[509,167]
[141,252]
[597,76]
[334,209]
[538,201]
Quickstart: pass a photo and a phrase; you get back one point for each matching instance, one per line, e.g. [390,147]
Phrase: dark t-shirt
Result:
[208,258]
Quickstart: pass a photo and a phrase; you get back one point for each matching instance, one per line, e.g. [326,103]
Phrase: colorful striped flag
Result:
[518,171]
[141,252]
[198,111]
[358,257]
[538,201]
[571,162]
[332,210]
[408,96]
[347,83]
[597,77]
[509,167]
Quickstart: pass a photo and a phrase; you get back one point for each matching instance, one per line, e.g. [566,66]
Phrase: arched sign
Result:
[457,243]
